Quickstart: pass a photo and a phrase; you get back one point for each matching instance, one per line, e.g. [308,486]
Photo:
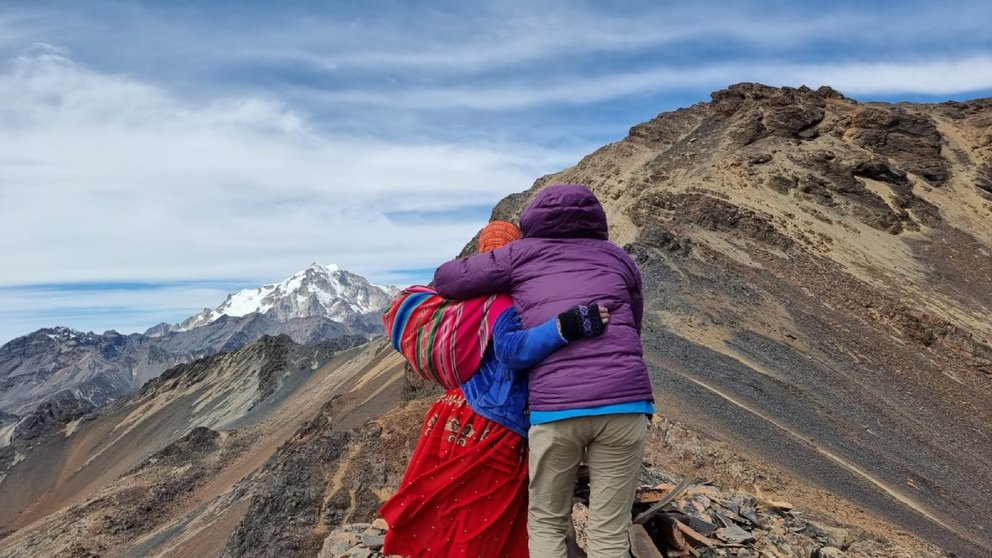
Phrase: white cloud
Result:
[240,166]
[942,76]
[535,35]
[104,177]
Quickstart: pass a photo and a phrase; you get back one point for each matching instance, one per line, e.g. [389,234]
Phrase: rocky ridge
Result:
[741,521]
[324,291]
[815,274]
[229,451]
[220,392]
[61,364]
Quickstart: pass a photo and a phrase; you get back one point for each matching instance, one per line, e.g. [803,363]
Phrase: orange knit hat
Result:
[497,234]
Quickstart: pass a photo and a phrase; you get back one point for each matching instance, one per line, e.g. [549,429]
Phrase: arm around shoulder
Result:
[483,274]
[518,348]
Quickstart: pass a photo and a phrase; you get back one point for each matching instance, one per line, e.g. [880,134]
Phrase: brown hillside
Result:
[817,277]
[817,274]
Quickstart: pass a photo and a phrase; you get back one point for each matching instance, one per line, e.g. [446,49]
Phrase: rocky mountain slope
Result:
[63,365]
[156,467]
[816,275]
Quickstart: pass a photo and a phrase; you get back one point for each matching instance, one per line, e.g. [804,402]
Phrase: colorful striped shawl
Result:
[444,340]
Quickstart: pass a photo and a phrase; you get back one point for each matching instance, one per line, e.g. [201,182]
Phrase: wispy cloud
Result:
[935,76]
[160,143]
[109,178]
[940,76]
[456,37]
[19,26]
[463,214]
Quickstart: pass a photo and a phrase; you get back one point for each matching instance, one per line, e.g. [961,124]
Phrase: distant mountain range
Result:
[261,393]
[317,304]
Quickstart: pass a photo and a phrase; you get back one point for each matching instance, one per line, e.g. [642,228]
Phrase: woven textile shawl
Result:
[444,340]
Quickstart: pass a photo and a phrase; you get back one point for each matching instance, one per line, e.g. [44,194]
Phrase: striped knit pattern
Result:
[443,340]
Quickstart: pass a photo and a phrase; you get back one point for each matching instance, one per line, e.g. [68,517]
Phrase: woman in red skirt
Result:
[464,493]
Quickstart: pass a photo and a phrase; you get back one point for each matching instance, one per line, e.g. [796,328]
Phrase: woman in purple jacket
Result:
[587,400]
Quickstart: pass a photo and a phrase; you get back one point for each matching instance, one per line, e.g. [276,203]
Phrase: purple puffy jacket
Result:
[565,259]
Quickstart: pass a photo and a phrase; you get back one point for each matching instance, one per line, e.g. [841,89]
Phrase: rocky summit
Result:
[816,273]
[816,276]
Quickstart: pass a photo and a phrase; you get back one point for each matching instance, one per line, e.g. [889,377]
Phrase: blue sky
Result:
[156,156]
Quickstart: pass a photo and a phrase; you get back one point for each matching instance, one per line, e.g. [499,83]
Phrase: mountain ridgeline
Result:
[816,274]
[816,277]
[77,369]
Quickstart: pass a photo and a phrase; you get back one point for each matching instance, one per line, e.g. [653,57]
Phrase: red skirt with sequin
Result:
[464,493]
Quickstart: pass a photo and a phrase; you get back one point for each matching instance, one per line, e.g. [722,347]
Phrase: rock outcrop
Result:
[816,272]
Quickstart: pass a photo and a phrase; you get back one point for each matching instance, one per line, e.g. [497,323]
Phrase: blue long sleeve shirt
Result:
[498,390]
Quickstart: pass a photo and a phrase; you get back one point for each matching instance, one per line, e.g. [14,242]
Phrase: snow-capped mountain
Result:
[318,304]
[324,291]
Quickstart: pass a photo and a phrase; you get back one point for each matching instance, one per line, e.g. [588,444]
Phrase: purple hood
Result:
[564,211]
[564,259]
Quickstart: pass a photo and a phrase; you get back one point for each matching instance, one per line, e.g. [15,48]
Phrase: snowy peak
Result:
[318,291]
[316,305]
[61,334]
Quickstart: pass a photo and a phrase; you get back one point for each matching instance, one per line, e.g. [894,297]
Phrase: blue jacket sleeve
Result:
[517,348]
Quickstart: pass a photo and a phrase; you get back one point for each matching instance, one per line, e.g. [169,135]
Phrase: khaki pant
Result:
[612,446]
